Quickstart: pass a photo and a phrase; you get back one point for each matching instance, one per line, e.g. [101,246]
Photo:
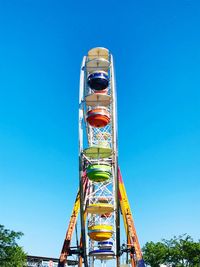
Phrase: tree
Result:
[155,253]
[179,251]
[10,253]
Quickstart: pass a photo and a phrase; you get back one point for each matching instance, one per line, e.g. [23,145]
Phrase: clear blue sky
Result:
[156,47]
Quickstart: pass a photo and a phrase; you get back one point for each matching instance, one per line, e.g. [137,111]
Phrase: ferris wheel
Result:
[102,196]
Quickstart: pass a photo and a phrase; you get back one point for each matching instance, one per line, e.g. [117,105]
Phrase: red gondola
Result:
[98,117]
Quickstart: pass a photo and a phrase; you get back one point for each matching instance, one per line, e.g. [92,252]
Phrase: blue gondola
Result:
[105,245]
[98,80]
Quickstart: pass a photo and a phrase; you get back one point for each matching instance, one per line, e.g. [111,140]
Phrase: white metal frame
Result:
[91,136]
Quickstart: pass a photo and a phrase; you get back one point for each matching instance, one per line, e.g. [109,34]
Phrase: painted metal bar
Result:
[81,160]
[115,160]
[69,233]
[129,223]
[82,211]
[81,101]
[72,225]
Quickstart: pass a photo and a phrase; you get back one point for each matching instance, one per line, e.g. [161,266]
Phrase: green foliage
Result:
[10,253]
[155,253]
[179,251]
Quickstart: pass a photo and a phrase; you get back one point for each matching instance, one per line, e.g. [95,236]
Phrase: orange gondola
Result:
[98,117]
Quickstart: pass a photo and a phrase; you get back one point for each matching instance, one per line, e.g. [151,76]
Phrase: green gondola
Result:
[99,173]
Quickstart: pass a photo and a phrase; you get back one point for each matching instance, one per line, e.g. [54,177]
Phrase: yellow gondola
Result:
[100,232]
